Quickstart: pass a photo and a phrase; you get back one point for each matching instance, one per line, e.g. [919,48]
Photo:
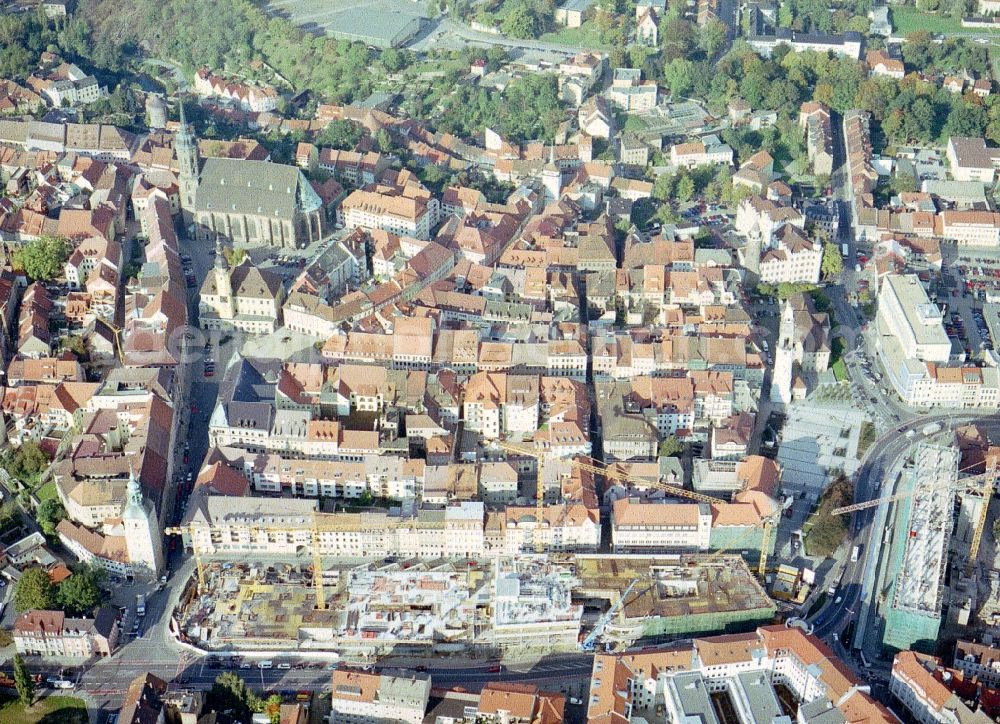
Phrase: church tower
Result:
[552,178]
[189,163]
[223,285]
[784,357]
[143,538]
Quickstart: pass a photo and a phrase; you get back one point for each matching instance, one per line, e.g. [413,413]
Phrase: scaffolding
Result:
[924,526]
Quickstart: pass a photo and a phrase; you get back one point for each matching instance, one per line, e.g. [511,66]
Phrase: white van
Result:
[265,665]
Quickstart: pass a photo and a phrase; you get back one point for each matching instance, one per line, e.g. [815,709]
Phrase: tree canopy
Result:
[25,462]
[34,591]
[230,693]
[527,109]
[23,682]
[671,447]
[833,262]
[50,511]
[340,134]
[43,258]
[81,593]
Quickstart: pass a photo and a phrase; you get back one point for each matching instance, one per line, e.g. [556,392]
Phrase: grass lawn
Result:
[867,437]
[634,123]
[46,492]
[907,20]
[840,370]
[586,36]
[51,710]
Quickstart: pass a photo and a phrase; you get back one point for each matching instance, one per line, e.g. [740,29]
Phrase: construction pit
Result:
[532,604]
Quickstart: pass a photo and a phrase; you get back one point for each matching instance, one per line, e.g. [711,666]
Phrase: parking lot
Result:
[972,281]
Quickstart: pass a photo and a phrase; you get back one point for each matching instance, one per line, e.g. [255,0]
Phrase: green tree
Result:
[23,682]
[234,256]
[521,22]
[25,462]
[75,344]
[272,707]
[965,120]
[383,141]
[671,447]
[81,593]
[712,37]
[340,134]
[663,187]
[833,262]
[34,590]
[393,60]
[43,258]
[679,76]
[230,693]
[50,512]
[685,189]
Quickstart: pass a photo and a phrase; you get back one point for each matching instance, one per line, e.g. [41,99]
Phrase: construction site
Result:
[672,596]
[402,607]
[530,604]
[924,524]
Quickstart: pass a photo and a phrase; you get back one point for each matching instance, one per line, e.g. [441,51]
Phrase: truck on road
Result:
[855,554]
[140,605]
[931,428]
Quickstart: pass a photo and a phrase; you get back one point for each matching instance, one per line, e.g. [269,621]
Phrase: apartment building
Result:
[565,527]
[969,159]
[67,85]
[639,526]
[657,526]
[918,684]
[52,633]
[221,524]
[707,151]
[256,98]
[793,258]
[353,167]
[745,666]
[501,702]
[880,64]
[978,661]
[394,213]
[970,228]
[814,119]
[363,697]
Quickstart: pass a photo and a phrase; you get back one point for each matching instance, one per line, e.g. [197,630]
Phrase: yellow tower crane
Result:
[199,565]
[985,482]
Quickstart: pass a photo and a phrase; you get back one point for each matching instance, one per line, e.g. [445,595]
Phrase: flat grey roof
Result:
[689,692]
[913,299]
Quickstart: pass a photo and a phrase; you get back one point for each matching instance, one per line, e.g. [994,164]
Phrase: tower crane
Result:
[319,523]
[605,470]
[595,633]
[198,563]
[985,482]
